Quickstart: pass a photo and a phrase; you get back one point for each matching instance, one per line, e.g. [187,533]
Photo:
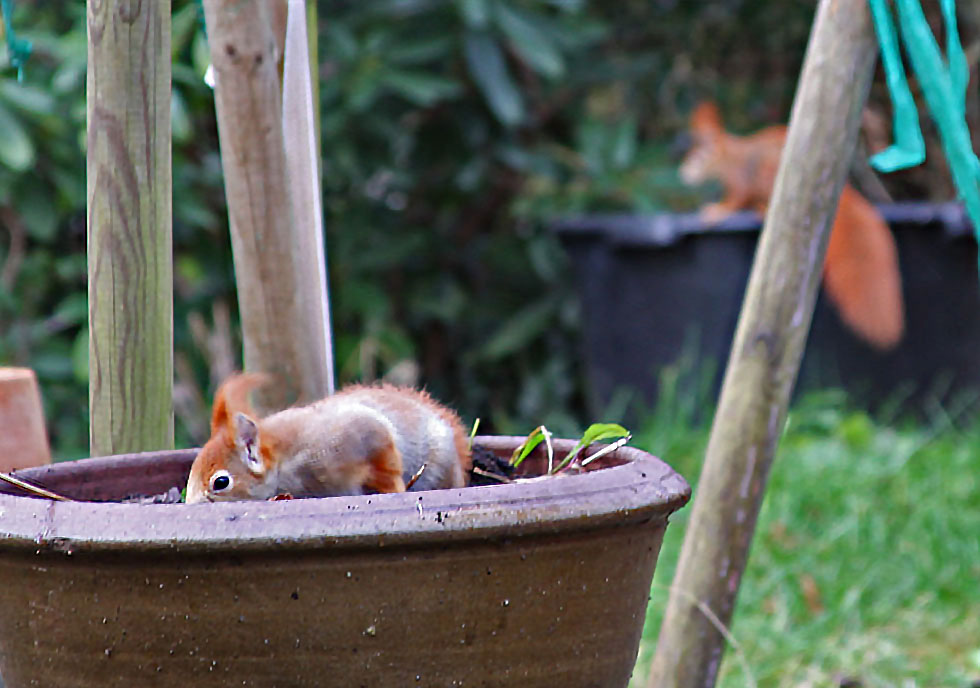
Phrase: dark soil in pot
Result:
[541,583]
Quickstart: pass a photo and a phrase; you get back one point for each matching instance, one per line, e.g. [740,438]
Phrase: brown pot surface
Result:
[541,583]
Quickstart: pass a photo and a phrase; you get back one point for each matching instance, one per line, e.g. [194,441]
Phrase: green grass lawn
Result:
[866,559]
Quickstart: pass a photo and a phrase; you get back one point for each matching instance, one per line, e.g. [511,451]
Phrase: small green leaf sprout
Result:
[596,432]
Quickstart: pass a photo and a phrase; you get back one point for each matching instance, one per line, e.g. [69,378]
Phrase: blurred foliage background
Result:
[452,131]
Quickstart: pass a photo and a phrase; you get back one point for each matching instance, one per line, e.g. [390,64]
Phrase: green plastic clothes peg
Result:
[943,88]
[18,48]
[908,150]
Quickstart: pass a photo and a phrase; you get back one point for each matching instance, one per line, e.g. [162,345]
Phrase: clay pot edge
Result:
[642,489]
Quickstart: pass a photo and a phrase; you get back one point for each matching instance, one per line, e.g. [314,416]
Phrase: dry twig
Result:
[418,474]
[608,449]
[33,489]
[487,474]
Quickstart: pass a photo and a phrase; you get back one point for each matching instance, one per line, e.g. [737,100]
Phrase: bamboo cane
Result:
[768,344]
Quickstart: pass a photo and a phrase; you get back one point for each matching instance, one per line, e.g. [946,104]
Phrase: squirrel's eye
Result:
[220,481]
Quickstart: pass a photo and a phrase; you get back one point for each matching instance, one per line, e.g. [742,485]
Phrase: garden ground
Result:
[865,568]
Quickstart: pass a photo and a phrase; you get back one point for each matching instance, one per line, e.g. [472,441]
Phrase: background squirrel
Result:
[861,274]
[360,440]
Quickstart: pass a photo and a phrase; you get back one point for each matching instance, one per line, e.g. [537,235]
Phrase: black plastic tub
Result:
[656,288]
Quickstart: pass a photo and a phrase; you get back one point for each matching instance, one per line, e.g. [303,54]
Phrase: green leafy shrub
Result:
[452,132]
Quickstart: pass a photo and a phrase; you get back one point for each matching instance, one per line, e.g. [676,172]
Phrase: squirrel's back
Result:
[425,432]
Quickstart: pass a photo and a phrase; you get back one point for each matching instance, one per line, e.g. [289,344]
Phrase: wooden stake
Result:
[130,273]
[277,275]
[23,439]
[768,344]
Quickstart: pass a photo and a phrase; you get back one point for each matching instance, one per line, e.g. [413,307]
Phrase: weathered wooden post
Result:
[276,267]
[130,270]
[768,345]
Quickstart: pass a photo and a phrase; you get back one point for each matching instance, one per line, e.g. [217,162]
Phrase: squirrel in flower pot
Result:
[363,439]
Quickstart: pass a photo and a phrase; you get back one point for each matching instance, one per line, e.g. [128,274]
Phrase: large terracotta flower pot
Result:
[542,583]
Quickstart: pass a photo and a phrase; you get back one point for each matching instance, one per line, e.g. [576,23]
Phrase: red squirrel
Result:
[363,439]
[861,272]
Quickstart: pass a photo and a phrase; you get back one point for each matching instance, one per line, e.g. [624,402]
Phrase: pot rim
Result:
[641,489]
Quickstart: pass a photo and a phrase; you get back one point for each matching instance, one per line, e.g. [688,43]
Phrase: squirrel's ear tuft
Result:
[385,471]
[706,119]
[232,397]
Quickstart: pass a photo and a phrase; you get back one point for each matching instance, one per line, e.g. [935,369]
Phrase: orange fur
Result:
[385,472]
[232,397]
[461,439]
[861,274]
[364,438]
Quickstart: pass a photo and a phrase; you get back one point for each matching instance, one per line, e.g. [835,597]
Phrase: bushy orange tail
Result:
[861,273]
